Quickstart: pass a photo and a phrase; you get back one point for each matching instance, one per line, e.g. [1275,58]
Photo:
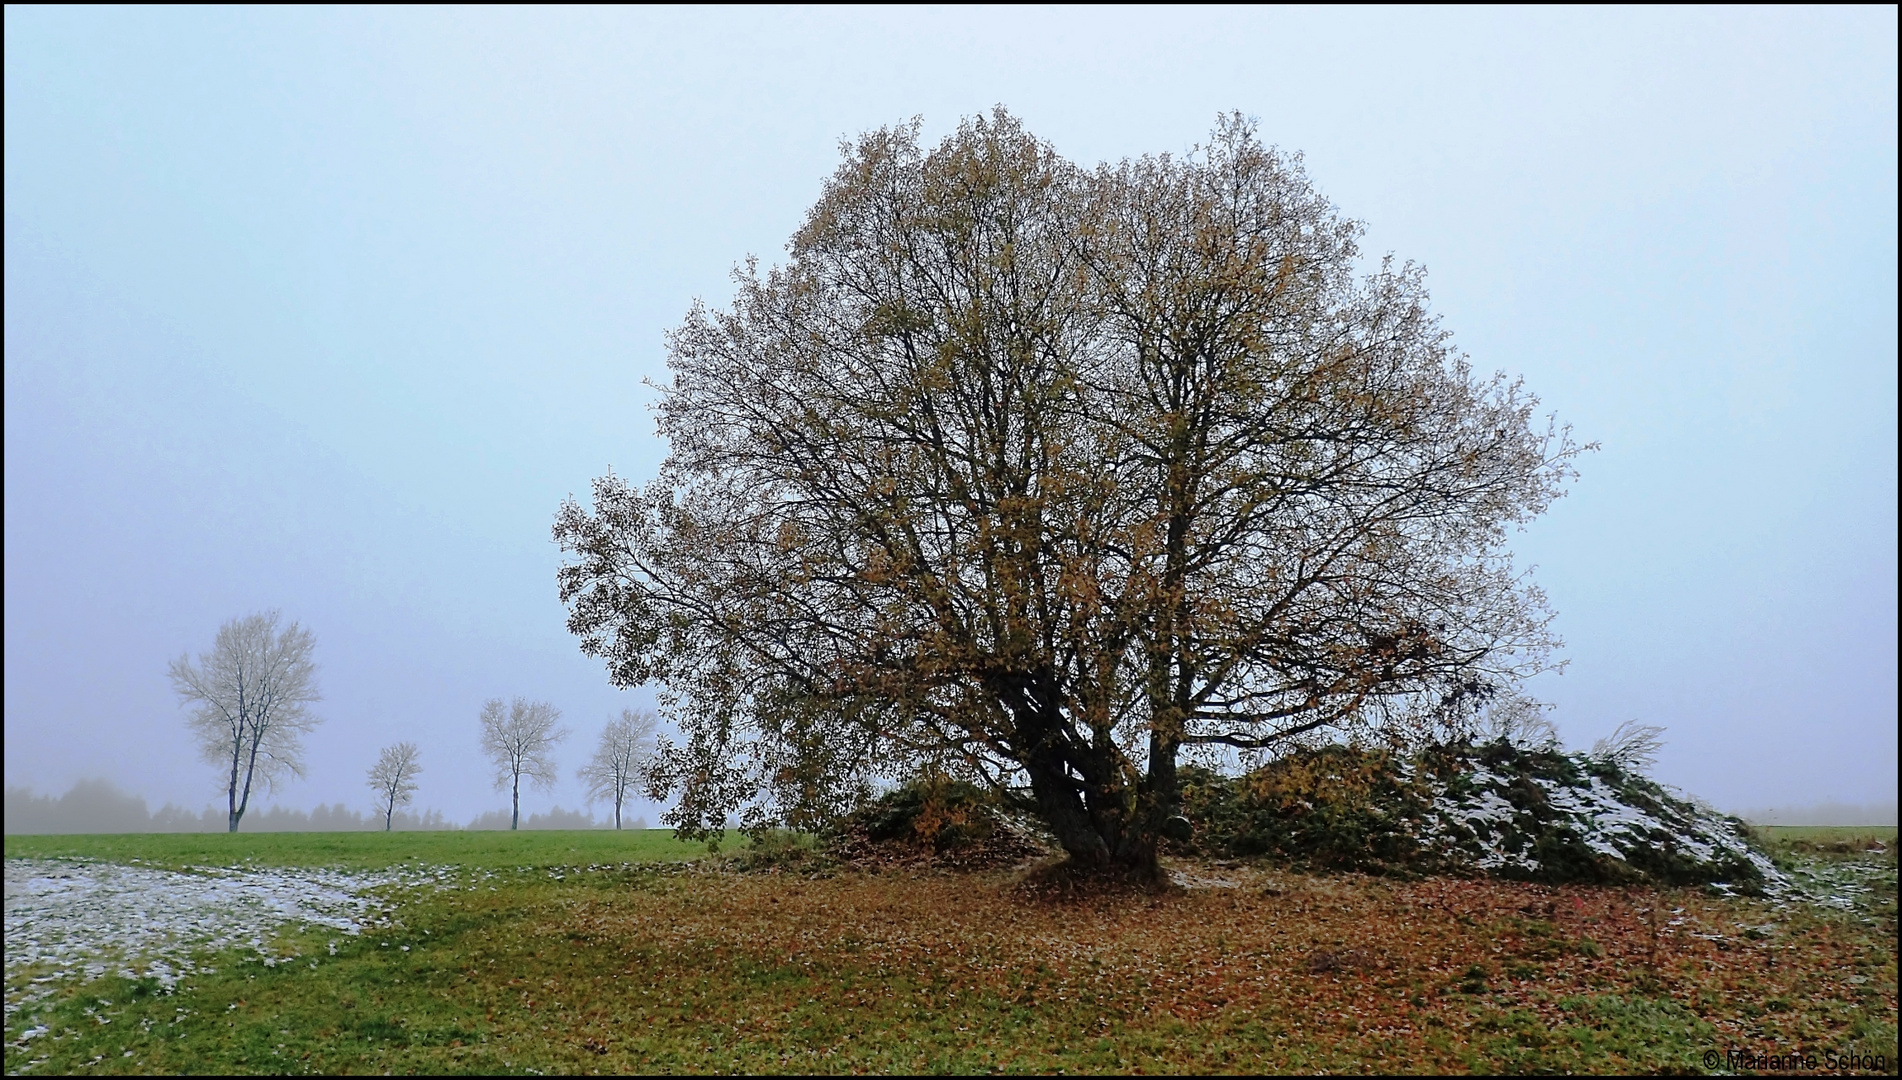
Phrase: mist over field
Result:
[325,311]
[96,806]
[1185,540]
[1823,813]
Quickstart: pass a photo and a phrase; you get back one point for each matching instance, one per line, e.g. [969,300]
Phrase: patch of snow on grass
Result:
[82,919]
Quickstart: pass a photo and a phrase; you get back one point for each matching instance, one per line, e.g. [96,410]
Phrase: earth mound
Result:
[1497,809]
[936,822]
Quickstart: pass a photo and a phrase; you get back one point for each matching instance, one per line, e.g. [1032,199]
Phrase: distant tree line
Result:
[97,806]
[553,819]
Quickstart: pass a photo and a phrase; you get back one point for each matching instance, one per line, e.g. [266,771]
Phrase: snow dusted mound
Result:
[1546,815]
[1498,809]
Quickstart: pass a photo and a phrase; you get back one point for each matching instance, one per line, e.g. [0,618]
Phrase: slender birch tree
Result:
[621,761]
[520,739]
[250,698]
[393,778]
[1047,476]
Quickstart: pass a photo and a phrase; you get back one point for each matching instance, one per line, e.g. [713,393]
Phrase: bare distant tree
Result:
[251,694]
[521,741]
[621,761]
[393,778]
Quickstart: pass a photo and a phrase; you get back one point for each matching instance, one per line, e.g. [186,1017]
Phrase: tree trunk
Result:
[617,813]
[1072,785]
[250,769]
[231,791]
[1098,834]
[515,804]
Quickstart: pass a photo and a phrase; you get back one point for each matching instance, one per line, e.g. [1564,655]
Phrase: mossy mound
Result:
[1495,808]
[936,821]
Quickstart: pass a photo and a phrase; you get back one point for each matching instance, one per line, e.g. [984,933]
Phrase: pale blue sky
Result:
[327,310]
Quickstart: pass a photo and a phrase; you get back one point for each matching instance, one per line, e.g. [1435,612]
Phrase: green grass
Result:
[1825,838]
[364,850]
[1600,1033]
[644,962]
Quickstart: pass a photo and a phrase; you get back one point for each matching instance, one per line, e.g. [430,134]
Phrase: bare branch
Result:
[1632,746]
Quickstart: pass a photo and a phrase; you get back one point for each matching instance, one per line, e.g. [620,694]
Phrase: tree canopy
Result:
[393,778]
[520,742]
[250,698]
[1046,476]
[621,760]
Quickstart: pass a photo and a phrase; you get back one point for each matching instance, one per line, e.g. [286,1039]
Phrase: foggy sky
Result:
[326,311]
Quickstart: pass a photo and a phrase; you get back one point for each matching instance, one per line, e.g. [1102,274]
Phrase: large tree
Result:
[250,698]
[1047,476]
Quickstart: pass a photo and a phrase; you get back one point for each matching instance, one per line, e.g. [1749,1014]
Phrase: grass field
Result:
[364,850]
[1832,839]
[588,952]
